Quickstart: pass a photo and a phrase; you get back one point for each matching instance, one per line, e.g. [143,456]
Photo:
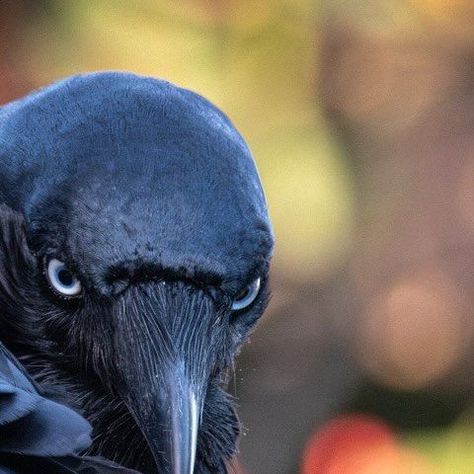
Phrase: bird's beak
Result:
[169,419]
[164,356]
[184,421]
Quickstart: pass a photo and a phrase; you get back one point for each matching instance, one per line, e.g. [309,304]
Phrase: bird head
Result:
[134,255]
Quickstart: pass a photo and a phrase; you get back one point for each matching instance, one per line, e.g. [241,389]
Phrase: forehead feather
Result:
[117,165]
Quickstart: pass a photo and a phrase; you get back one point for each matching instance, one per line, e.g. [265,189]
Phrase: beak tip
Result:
[185,426]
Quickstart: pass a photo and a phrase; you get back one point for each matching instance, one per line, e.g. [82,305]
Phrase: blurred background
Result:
[360,114]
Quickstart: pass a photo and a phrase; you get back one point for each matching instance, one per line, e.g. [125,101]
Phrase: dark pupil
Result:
[65,277]
[243,294]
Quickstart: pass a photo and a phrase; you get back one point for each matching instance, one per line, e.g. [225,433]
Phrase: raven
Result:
[135,246]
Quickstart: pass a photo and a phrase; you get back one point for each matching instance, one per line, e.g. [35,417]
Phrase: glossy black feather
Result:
[31,424]
[39,435]
[19,464]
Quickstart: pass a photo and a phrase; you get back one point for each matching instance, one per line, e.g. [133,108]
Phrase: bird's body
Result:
[38,434]
[134,253]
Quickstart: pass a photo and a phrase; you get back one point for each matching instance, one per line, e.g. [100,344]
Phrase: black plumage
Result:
[38,434]
[134,253]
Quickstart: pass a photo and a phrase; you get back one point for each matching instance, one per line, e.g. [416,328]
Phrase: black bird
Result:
[134,255]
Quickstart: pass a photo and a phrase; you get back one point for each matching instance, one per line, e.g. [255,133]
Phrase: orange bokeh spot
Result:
[359,444]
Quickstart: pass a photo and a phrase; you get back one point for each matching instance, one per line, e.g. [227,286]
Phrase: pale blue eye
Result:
[247,297]
[62,279]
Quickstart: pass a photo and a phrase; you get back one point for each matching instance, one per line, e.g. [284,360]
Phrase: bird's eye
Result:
[247,296]
[62,279]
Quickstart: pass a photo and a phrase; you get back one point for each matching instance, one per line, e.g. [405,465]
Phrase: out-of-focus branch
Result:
[404,107]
